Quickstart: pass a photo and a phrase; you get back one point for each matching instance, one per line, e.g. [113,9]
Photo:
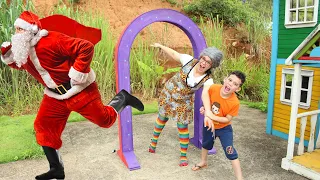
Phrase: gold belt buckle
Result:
[63,88]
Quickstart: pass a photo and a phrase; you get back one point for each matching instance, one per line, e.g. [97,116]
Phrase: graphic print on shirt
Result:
[215,108]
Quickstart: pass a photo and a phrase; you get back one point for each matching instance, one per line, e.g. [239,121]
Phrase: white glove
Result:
[5,47]
[5,44]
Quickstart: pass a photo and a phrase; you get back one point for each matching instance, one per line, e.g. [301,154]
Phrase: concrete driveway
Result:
[88,153]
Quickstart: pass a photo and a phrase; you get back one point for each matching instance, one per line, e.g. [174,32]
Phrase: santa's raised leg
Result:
[117,104]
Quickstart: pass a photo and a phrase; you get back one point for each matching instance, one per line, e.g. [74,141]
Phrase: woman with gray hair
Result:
[177,97]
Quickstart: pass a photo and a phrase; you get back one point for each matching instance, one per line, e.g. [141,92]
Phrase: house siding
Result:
[281,114]
[290,39]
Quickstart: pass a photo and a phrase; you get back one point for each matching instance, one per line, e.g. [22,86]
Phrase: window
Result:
[301,13]
[305,91]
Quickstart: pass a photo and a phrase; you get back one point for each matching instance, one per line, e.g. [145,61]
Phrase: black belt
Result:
[61,89]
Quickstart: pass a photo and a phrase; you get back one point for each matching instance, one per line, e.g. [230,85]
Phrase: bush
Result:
[231,11]
[252,89]
[251,19]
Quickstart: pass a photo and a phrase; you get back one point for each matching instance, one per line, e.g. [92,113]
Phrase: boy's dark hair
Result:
[240,75]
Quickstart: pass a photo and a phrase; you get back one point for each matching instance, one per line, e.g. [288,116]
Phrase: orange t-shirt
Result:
[222,107]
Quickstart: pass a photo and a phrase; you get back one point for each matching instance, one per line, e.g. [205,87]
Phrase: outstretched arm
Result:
[172,53]
[7,56]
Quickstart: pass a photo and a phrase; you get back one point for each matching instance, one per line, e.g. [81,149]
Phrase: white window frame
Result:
[306,73]
[305,23]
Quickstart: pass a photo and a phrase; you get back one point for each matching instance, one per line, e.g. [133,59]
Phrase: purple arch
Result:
[122,55]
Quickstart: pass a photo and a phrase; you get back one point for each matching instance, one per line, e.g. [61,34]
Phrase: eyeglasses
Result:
[207,60]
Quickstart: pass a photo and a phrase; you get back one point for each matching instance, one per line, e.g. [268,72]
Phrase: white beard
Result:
[20,47]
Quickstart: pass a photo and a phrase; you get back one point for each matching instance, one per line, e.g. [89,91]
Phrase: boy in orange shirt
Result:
[225,105]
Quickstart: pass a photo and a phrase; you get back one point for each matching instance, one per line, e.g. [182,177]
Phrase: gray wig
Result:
[214,54]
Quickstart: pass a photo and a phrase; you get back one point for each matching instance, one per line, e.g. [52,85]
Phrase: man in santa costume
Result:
[62,64]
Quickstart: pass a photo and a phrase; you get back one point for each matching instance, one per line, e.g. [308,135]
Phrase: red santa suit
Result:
[54,60]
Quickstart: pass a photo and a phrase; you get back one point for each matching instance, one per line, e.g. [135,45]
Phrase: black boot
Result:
[56,168]
[123,99]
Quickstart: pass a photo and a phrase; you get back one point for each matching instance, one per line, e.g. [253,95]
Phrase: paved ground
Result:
[88,154]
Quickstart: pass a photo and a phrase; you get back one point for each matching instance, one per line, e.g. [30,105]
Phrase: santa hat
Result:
[28,21]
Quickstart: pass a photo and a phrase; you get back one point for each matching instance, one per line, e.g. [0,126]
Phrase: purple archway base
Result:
[126,151]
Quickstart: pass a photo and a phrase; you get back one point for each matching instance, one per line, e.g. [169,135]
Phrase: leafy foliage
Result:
[232,12]
[264,8]
[256,88]
[17,87]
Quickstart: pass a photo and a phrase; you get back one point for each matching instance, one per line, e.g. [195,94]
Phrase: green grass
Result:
[18,137]
[262,106]
[172,2]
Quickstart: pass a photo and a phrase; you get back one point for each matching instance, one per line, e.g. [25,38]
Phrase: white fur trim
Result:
[77,75]
[25,25]
[43,73]
[7,58]
[43,32]
[74,90]
[35,28]
[36,38]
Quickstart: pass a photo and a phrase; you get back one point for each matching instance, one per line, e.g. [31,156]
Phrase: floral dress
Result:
[177,97]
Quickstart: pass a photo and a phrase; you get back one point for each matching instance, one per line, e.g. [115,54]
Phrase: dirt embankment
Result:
[119,13]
